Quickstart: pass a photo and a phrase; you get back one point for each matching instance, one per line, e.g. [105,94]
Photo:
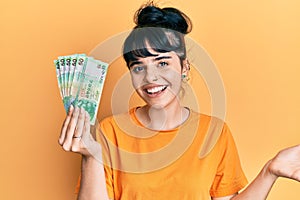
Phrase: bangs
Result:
[141,40]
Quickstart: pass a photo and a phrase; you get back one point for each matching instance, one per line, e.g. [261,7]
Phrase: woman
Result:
[152,152]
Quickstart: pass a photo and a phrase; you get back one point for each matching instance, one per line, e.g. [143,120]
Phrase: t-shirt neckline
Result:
[133,115]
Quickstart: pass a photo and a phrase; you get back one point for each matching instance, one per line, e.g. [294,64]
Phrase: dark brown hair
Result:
[163,29]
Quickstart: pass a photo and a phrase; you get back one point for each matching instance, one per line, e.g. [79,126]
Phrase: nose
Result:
[151,74]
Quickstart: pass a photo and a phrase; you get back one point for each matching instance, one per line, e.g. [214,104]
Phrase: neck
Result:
[162,118]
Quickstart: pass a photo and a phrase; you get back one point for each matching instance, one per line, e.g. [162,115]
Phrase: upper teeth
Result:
[155,89]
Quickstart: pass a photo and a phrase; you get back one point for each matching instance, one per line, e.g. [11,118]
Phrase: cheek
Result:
[174,69]
[175,83]
[136,81]
[174,77]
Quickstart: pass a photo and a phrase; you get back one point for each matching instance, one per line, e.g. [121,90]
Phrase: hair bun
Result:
[171,18]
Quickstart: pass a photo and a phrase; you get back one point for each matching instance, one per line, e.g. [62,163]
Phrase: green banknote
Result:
[91,86]
[80,80]
[72,70]
[76,82]
[67,73]
[62,74]
[59,82]
[70,64]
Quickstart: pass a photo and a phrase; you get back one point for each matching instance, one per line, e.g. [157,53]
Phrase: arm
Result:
[260,187]
[75,137]
[285,164]
[93,184]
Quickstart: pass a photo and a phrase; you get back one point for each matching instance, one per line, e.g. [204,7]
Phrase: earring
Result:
[185,78]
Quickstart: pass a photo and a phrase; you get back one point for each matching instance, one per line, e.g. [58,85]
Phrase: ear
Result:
[185,67]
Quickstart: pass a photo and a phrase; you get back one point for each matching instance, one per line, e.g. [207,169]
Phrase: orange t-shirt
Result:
[195,161]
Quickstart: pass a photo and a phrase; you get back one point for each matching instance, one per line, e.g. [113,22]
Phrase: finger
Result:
[80,144]
[87,141]
[70,130]
[80,123]
[76,140]
[86,130]
[87,126]
[65,125]
[91,146]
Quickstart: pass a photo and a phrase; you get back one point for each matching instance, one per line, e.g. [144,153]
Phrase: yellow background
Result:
[255,45]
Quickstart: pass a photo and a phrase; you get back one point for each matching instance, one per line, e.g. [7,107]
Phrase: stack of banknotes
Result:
[80,80]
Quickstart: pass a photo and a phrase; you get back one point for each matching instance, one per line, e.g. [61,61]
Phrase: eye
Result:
[162,64]
[138,69]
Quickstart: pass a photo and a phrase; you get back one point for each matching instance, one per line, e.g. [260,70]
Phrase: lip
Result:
[156,90]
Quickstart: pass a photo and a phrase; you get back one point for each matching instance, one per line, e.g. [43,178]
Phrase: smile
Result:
[155,90]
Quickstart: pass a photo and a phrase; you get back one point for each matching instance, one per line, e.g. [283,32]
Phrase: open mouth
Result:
[155,90]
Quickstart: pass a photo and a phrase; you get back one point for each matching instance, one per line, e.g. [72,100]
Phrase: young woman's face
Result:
[157,79]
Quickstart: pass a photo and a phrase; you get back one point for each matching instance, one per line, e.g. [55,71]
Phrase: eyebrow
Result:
[136,62]
[162,57]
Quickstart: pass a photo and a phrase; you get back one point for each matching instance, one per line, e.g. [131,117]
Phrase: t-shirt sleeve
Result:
[230,177]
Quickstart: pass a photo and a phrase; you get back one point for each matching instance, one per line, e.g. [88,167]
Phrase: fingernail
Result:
[70,109]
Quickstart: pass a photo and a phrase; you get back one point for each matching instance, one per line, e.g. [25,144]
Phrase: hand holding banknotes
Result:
[75,134]
[80,81]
